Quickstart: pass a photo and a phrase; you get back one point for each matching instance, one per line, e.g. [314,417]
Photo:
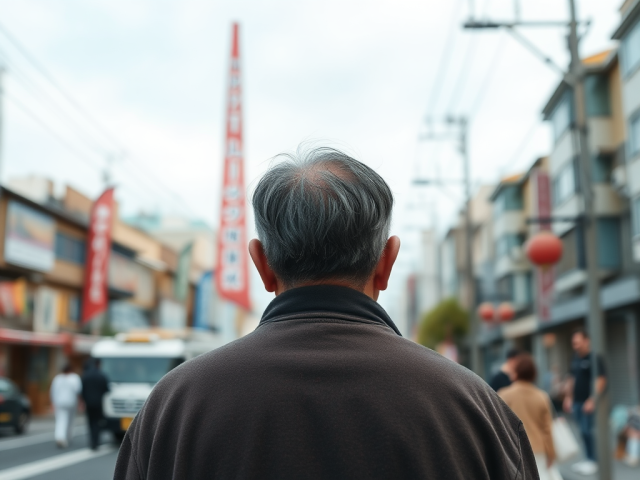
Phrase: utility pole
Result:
[595,320]
[462,124]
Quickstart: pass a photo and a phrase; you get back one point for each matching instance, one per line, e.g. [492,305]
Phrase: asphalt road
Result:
[34,455]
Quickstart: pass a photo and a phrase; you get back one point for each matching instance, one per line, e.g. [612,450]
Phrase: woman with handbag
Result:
[533,406]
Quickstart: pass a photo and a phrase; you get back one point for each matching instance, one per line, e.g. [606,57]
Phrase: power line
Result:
[444,61]
[458,88]
[50,78]
[43,124]
[484,85]
[79,155]
[87,116]
[43,96]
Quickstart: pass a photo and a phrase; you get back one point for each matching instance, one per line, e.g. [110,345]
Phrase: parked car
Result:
[15,408]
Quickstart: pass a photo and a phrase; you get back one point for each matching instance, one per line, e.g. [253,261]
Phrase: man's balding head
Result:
[322,216]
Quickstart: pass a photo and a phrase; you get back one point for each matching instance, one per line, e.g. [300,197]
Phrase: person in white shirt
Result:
[65,388]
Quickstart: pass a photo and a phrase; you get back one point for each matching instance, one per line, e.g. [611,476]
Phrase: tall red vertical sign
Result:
[94,296]
[232,271]
[544,276]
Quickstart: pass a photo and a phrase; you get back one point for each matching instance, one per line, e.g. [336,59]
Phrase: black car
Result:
[15,408]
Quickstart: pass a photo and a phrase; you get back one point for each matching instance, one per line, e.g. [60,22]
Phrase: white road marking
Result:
[35,439]
[53,463]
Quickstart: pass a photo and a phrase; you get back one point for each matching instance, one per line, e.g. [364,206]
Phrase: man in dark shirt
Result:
[505,374]
[581,397]
[325,387]
[94,386]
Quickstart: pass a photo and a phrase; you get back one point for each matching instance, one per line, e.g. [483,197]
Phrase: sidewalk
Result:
[620,470]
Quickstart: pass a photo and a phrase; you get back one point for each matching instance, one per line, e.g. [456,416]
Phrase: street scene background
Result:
[467,108]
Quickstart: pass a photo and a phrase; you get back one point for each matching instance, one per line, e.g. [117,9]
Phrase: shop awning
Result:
[25,337]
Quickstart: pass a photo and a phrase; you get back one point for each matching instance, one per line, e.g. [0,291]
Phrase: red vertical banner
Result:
[544,276]
[95,296]
[232,271]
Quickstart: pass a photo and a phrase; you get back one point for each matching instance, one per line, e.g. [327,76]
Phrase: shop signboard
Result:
[232,272]
[94,296]
[544,276]
[13,298]
[29,238]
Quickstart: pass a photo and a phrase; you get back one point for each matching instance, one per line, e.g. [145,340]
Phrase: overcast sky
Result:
[361,75]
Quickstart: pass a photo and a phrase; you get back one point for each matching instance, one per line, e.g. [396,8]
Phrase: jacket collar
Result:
[331,299]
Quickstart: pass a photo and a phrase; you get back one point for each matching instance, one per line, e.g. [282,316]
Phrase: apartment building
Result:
[619,273]
[628,175]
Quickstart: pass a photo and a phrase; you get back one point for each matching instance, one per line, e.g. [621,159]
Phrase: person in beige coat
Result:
[533,407]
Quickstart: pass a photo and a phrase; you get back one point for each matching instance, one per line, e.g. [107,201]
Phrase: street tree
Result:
[446,321]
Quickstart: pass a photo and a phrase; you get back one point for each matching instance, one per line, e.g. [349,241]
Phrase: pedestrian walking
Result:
[505,375]
[533,406]
[581,396]
[325,387]
[94,386]
[64,392]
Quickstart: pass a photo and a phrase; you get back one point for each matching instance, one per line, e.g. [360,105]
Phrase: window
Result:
[562,115]
[509,199]
[505,287]
[630,51]
[522,288]
[634,135]
[597,93]
[70,249]
[506,243]
[573,253]
[565,183]
[608,233]
[602,168]
[138,369]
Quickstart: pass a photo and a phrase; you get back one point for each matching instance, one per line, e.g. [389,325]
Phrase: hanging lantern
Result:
[486,312]
[505,312]
[544,249]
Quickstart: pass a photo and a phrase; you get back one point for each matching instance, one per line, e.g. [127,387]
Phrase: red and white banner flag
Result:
[544,276]
[94,296]
[232,271]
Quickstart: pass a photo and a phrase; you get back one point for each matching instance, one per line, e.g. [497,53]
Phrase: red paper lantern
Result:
[505,312]
[486,312]
[544,249]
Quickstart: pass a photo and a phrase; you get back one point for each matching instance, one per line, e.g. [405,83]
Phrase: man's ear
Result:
[383,269]
[260,261]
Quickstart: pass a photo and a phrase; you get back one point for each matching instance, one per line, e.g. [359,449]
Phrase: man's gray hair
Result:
[322,215]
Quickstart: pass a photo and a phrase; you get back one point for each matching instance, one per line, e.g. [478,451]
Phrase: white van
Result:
[136,361]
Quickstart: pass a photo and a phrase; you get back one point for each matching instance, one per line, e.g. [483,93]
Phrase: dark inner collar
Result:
[329,299]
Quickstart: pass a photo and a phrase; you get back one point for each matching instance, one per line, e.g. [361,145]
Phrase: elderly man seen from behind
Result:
[325,387]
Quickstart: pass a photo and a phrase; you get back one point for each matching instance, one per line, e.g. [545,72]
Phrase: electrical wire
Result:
[443,64]
[484,85]
[148,172]
[43,124]
[45,98]
[77,153]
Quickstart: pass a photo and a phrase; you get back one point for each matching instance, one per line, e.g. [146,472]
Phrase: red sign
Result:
[94,295]
[544,276]
[232,272]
